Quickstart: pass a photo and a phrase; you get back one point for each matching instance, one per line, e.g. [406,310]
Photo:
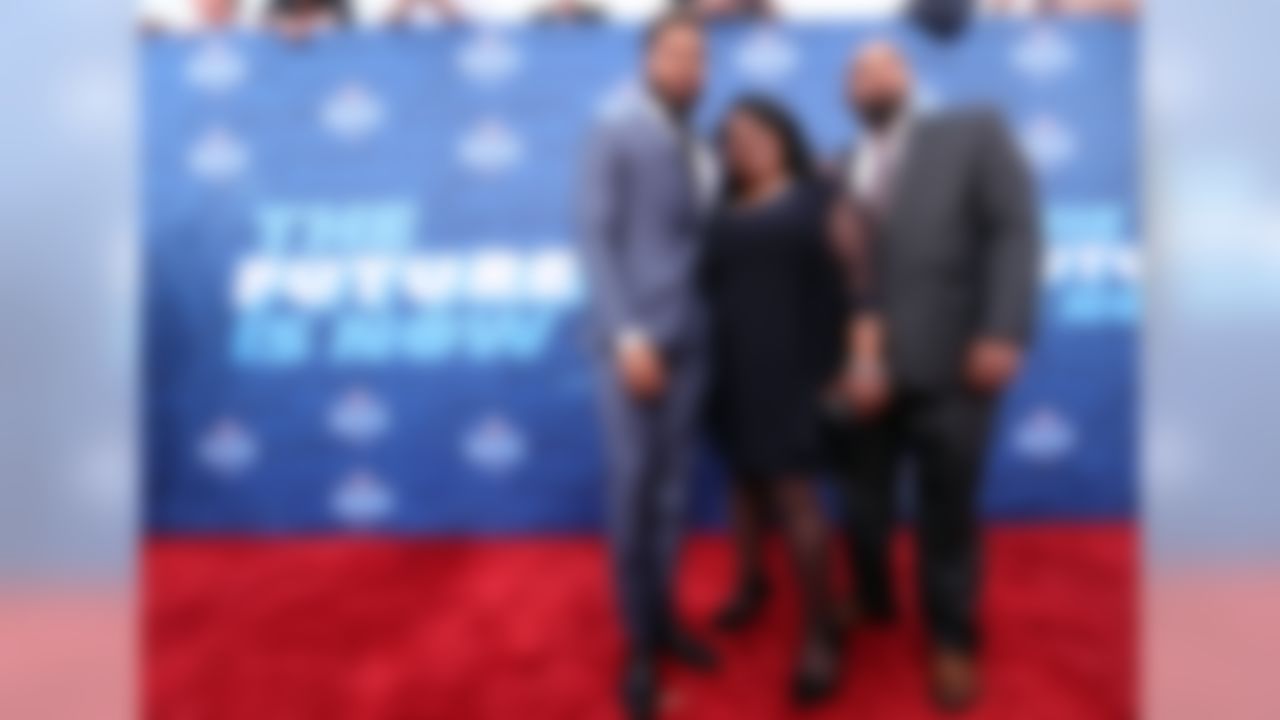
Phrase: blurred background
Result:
[372,471]
[200,13]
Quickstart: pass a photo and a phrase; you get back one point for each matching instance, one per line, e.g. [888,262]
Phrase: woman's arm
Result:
[865,377]
[851,245]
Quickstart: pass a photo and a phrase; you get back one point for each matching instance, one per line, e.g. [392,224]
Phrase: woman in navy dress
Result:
[778,305]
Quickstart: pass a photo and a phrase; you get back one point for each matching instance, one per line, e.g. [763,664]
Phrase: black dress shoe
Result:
[874,611]
[640,688]
[745,607]
[685,649]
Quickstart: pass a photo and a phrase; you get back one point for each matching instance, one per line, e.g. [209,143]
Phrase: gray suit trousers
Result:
[651,449]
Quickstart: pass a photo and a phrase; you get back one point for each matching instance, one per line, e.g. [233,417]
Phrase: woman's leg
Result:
[746,514]
[747,526]
[807,538]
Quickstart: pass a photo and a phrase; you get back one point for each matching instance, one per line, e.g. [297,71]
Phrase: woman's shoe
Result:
[745,607]
[817,675]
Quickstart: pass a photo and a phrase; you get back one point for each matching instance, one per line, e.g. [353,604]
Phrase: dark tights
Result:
[804,528]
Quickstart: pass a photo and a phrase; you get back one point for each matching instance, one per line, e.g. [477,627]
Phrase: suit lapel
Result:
[912,166]
[909,168]
[682,151]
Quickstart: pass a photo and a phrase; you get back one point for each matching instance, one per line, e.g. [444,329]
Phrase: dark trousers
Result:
[942,436]
[650,448]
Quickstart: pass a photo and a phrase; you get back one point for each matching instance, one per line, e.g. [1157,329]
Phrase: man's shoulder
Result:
[612,129]
[625,135]
[972,120]
[624,114]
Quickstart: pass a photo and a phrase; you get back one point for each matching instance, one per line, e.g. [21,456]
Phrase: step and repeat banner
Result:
[363,301]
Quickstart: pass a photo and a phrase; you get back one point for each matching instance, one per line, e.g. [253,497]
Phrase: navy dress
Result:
[777,304]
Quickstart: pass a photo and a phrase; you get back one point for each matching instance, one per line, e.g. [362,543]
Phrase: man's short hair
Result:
[669,20]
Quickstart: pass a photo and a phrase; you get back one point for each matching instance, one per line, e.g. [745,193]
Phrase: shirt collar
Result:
[659,111]
[897,132]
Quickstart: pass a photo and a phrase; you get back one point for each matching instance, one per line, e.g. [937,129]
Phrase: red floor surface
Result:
[525,630]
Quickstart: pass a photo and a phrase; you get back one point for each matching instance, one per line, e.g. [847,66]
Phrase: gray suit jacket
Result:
[640,230]
[955,256]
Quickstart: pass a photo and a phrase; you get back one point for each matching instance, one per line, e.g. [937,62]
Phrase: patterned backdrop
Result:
[363,299]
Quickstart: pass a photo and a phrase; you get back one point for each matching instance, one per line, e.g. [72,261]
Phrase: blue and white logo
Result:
[1049,143]
[433,280]
[1093,268]
[216,68]
[494,445]
[228,449]
[490,58]
[218,156]
[553,277]
[352,112]
[1094,262]
[1043,54]
[490,148]
[359,418]
[1045,436]
[767,56]
[362,499]
[495,275]
[313,283]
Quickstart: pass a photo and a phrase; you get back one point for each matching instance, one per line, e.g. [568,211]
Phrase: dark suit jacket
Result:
[955,256]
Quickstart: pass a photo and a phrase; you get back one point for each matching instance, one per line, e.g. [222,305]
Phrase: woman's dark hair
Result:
[774,116]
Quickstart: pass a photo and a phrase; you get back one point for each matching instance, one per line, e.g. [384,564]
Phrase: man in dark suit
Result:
[645,189]
[953,245]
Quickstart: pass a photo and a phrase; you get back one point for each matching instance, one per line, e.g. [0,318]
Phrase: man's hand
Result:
[867,389]
[993,363]
[866,383]
[641,368]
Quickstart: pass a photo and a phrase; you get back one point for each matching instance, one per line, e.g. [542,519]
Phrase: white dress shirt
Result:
[703,167]
[874,167]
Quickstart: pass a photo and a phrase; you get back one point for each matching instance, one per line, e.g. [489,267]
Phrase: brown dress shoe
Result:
[954,680]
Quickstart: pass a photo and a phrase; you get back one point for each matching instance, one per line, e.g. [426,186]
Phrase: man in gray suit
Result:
[953,244]
[643,196]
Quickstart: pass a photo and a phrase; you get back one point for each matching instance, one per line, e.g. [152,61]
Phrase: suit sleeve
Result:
[601,197]
[1008,211]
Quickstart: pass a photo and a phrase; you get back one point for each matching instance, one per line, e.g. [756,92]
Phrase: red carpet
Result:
[525,630]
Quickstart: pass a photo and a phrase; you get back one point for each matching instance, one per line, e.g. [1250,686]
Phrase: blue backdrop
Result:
[362,295]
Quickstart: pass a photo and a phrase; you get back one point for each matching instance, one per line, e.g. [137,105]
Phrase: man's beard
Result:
[879,113]
[680,108]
